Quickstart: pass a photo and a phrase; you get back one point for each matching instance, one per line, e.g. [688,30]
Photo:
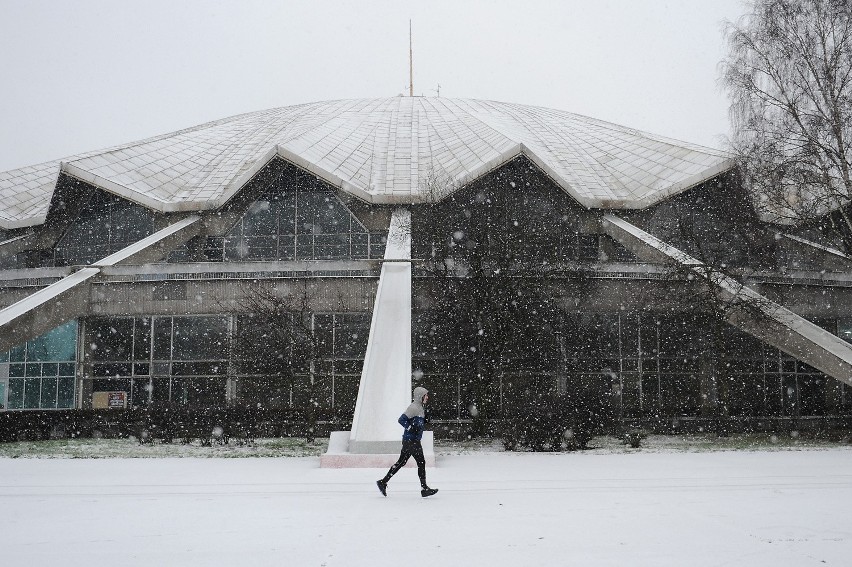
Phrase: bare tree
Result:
[711,292]
[277,334]
[789,75]
[490,257]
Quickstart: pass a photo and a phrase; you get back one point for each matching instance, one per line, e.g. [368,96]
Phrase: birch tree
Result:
[789,76]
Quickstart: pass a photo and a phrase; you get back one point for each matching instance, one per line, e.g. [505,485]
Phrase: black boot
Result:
[428,491]
[383,487]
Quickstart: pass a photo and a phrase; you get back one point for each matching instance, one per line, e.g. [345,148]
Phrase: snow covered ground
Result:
[663,507]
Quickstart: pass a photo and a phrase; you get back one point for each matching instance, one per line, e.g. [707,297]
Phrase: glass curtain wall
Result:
[40,373]
[276,369]
[106,224]
[298,218]
[159,359]
[660,363]
[300,225]
[187,360]
[495,222]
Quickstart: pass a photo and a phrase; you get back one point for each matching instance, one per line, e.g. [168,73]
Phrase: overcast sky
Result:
[83,75]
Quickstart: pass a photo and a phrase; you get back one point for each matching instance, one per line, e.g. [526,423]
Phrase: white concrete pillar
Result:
[385,388]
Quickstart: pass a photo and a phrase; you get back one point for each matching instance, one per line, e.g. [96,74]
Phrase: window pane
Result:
[178,391]
[260,248]
[199,368]
[445,403]
[264,391]
[307,211]
[345,393]
[235,248]
[200,338]
[260,219]
[111,369]
[142,339]
[16,393]
[214,249]
[287,214]
[204,391]
[331,215]
[589,247]
[160,390]
[48,392]
[844,329]
[105,225]
[377,245]
[353,367]
[129,223]
[359,245]
[32,393]
[109,338]
[66,392]
[16,354]
[162,338]
[140,392]
[323,332]
[304,247]
[351,335]
[286,247]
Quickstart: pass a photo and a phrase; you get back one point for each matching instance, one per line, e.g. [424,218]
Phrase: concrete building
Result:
[239,261]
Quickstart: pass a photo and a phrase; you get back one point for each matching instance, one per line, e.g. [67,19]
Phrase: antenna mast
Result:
[410,63]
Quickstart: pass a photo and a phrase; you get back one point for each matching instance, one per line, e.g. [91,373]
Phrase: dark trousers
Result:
[410,449]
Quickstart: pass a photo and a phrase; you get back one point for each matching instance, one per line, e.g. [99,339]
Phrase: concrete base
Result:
[375,447]
[339,457]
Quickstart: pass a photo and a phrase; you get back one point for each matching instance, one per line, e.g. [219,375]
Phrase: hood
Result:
[419,392]
[416,407]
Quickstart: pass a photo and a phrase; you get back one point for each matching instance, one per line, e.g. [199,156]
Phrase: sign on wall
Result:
[109,400]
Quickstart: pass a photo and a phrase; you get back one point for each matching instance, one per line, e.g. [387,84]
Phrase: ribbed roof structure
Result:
[383,151]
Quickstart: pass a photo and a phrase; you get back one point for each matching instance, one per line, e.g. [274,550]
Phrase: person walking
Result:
[413,420]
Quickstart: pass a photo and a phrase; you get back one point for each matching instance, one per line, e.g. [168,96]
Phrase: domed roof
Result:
[383,151]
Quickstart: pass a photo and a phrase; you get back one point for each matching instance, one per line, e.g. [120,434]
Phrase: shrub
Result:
[634,437]
[542,421]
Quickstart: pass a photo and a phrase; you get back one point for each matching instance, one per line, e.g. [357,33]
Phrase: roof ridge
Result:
[528,112]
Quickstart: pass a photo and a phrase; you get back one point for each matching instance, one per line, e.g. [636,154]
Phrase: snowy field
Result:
[607,507]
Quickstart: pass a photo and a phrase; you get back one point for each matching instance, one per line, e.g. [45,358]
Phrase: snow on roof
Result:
[383,151]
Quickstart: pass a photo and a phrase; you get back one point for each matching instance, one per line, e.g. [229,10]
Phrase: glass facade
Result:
[189,360]
[296,218]
[158,359]
[299,225]
[41,373]
[493,221]
[106,224]
[662,365]
[269,377]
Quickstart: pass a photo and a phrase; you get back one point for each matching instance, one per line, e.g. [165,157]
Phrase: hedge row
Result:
[167,423]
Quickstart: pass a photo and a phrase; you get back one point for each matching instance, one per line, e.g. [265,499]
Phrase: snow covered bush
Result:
[543,421]
[634,437]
